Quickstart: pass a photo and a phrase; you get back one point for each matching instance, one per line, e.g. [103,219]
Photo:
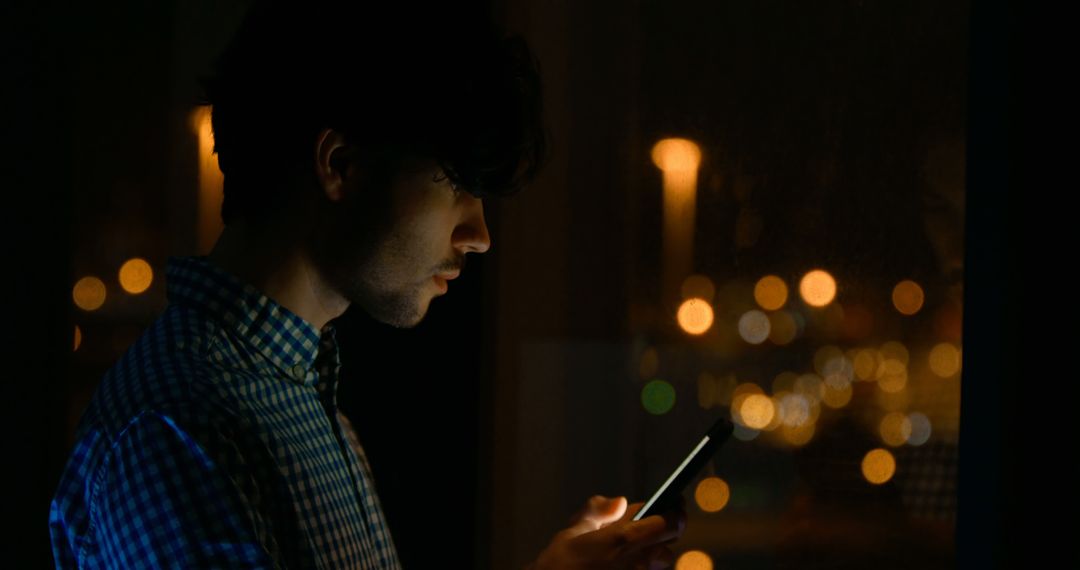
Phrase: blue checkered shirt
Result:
[215,441]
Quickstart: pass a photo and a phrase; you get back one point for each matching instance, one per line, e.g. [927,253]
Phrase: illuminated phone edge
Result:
[659,493]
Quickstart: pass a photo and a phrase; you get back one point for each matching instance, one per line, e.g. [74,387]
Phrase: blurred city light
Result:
[658,397]
[754,327]
[695,316]
[817,288]
[907,297]
[136,275]
[89,293]
[878,466]
[712,494]
[771,292]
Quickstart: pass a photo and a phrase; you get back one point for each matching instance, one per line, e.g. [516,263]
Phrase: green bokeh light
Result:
[658,397]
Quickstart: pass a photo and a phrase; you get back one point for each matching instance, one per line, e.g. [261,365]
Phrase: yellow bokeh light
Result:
[782,328]
[712,494]
[698,286]
[798,435]
[757,411]
[894,376]
[908,297]
[770,292]
[794,409]
[706,390]
[878,466]
[78,338]
[811,387]
[694,560]
[824,355]
[945,359]
[896,351]
[817,288]
[754,327]
[695,316]
[895,429]
[866,363]
[676,155]
[837,398]
[89,293]
[136,275]
[725,389]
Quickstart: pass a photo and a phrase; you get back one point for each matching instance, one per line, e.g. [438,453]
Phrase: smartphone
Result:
[667,496]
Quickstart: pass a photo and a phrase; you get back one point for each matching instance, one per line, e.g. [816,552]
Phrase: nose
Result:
[471,235]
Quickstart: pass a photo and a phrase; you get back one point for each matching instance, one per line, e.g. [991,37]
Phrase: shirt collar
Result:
[286,340]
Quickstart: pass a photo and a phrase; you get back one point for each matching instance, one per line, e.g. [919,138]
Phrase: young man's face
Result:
[383,248]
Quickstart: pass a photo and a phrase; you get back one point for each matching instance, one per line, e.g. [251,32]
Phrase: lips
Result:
[449,276]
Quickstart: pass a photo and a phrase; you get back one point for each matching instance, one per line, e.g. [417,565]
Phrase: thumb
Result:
[598,512]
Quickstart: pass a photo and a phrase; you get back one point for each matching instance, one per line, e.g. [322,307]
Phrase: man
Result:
[357,148]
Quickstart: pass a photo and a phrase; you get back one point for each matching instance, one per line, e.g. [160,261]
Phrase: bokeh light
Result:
[743,433]
[712,494]
[694,560]
[754,327]
[817,288]
[896,351]
[895,429]
[676,155]
[894,376]
[695,316]
[920,429]
[811,387]
[797,435]
[878,466]
[725,389]
[136,275]
[908,297]
[89,293]
[706,390]
[794,410]
[945,359]
[837,398]
[866,363]
[782,328]
[770,292]
[698,286]
[757,411]
[658,397]
[78,338]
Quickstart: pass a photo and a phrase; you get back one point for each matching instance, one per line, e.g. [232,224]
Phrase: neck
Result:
[280,269]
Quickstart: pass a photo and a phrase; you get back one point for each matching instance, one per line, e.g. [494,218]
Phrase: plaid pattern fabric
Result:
[215,441]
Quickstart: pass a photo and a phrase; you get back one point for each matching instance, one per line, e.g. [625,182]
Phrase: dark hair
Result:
[404,81]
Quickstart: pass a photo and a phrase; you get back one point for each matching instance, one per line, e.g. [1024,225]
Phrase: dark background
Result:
[98,160]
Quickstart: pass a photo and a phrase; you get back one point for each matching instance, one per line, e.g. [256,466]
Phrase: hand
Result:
[602,535]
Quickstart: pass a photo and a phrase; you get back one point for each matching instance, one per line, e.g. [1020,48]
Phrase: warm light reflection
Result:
[712,494]
[817,288]
[698,286]
[211,181]
[907,297]
[878,466]
[782,328]
[695,316]
[78,338]
[757,411]
[754,327]
[945,359]
[770,292]
[920,429]
[89,293]
[694,560]
[136,275]
[676,155]
[658,397]
[895,429]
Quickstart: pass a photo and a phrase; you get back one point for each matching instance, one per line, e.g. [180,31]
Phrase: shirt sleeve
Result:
[179,497]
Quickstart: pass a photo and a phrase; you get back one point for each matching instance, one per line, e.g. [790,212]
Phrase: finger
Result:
[630,536]
[598,512]
[661,557]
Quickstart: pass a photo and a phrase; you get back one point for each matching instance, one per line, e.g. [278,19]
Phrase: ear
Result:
[331,164]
